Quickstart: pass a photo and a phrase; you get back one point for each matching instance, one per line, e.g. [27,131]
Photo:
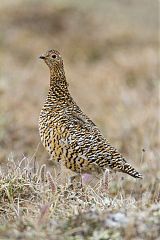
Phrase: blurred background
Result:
[110,52]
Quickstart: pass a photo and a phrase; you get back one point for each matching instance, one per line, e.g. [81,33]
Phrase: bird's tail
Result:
[127,168]
[118,163]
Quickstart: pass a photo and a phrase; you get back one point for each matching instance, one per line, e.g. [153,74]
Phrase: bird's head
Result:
[53,59]
[55,63]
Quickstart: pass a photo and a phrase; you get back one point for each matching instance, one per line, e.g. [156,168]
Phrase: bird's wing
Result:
[84,137]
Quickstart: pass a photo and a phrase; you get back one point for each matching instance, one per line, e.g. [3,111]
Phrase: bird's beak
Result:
[42,57]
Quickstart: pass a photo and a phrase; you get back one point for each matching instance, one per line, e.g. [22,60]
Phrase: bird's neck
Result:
[58,83]
[57,77]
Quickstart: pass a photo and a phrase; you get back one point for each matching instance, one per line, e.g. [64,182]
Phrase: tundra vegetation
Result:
[110,49]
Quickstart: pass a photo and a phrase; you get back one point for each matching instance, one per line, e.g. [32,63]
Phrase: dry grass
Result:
[33,205]
[111,63]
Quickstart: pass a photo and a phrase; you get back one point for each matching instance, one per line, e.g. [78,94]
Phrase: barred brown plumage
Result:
[68,134]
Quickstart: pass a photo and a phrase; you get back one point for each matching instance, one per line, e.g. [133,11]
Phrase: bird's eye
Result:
[54,56]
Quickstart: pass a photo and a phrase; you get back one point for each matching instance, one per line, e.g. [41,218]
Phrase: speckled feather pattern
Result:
[69,135]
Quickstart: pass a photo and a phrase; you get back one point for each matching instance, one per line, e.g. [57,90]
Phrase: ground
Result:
[110,52]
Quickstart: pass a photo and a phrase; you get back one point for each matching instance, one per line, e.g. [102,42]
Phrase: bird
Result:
[69,135]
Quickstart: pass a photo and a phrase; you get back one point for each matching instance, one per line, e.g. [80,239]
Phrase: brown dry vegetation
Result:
[111,62]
